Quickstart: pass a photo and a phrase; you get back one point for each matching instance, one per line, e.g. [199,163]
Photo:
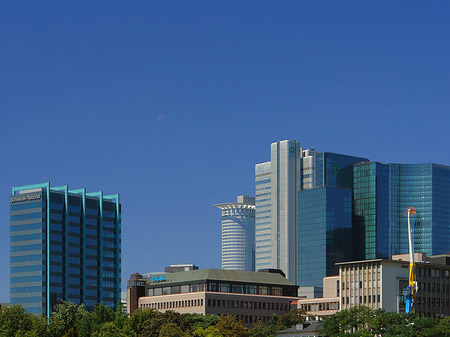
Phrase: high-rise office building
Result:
[238,234]
[321,184]
[371,210]
[426,187]
[277,183]
[65,245]
[280,240]
[263,228]
[324,233]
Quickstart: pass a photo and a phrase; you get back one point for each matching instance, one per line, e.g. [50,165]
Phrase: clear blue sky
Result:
[171,103]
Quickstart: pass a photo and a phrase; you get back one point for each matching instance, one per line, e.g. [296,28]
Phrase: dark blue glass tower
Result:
[65,245]
[324,233]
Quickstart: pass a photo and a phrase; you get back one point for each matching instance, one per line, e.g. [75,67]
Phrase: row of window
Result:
[26,237]
[27,258]
[26,279]
[23,300]
[272,306]
[320,306]
[35,289]
[28,226]
[21,206]
[362,299]
[25,248]
[27,216]
[24,269]
[174,304]
[222,287]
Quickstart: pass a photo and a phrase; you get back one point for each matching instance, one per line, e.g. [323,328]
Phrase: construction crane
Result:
[412,286]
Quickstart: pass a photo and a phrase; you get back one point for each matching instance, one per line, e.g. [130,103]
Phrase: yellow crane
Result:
[412,286]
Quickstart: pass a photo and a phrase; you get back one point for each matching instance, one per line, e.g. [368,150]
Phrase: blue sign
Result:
[159,278]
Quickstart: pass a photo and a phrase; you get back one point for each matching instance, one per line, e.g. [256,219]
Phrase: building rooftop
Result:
[224,275]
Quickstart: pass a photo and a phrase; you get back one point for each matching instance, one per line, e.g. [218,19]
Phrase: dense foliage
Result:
[362,321]
[70,319]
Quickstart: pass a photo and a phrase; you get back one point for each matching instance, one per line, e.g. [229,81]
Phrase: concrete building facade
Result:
[251,296]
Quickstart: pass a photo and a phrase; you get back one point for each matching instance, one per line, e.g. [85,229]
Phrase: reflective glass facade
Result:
[324,233]
[371,210]
[65,245]
[426,187]
[379,193]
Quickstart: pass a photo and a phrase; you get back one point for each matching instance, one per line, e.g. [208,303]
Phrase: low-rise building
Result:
[381,284]
[305,329]
[250,296]
[326,305]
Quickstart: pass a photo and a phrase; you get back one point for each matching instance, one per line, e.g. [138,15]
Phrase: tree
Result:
[161,319]
[102,314]
[230,327]
[443,327]
[85,324]
[196,321]
[172,330]
[108,329]
[64,317]
[363,321]
[138,321]
[259,329]
[15,320]
[210,331]
[120,317]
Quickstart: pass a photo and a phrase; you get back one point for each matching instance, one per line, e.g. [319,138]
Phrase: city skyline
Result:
[171,105]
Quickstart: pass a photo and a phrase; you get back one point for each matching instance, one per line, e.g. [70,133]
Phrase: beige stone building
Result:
[326,305]
[381,284]
[251,296]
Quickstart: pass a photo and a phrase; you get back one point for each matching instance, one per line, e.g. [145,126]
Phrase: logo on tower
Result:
[292,149]
[335,168]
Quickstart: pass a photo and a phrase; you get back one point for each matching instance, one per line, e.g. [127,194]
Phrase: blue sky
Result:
[171,103]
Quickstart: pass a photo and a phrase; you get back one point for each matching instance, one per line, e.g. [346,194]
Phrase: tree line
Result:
[69,319]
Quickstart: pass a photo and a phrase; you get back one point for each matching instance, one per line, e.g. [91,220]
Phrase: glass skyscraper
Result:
[238,234]
[426,187]
[371,210]
[324,233]
[278,183]
[65,245]
[317,185]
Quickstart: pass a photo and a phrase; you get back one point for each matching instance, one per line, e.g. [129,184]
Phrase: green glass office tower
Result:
[371,210]
[426,187]
[65,245]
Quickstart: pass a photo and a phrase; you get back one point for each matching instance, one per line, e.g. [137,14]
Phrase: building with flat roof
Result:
[300,193]
[175,268]
[381,284]
[314,209]
[238,234]
[251,296]
[65,245]
[325,305]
